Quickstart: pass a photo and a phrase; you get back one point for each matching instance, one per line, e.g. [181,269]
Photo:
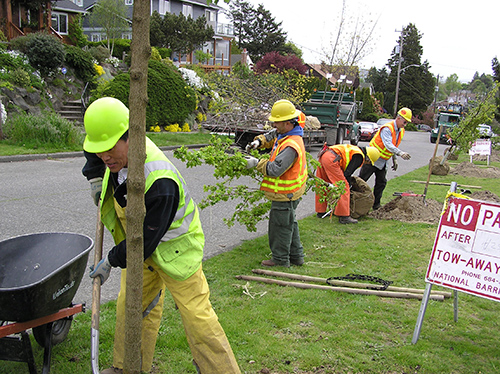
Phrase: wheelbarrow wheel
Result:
[60,330]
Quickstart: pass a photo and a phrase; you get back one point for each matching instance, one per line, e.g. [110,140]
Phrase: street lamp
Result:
[397,83]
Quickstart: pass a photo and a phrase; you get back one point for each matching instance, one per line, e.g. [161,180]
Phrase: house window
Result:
[129,2]
[210,15]
[60,22]
[95,37]
[187,10]
[164,7]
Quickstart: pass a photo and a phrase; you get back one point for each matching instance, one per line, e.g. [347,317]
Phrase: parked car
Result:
[383,121]
[368,130]
[485,131]
[423,127]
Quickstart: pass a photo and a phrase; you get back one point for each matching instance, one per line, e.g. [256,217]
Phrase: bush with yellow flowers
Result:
[185,127]
[155,128]
[99,69]
[173,128]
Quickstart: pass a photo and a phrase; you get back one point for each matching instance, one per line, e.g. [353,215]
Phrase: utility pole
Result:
[399,72]
[436,90]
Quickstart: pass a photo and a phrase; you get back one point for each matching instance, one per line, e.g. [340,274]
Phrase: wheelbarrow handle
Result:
[96,295]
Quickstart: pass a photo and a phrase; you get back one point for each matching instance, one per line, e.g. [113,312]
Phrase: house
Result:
[21,19]
[219,47]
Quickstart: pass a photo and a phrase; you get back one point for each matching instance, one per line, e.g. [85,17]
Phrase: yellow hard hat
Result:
[373,154]
[283,110]
[105,121]
[405,113]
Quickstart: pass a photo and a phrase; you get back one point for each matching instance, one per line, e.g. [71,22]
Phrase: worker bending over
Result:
[338,163]
[386,140]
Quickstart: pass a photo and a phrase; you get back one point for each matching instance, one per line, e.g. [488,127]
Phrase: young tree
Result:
[111,17]
[156,36]
[416,83]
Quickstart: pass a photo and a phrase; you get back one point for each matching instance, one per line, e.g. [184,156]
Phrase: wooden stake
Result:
[446,184]
[341,283]
[401,295]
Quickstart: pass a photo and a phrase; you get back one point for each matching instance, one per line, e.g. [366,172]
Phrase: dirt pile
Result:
[410,209]
[467,169]
[485,196]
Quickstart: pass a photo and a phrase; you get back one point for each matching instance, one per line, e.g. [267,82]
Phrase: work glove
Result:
[253,145]
[102,270]
[394,163]
[95,189]
[251,162]
[405,156]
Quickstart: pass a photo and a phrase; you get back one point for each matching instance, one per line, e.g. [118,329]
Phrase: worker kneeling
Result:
[338,163]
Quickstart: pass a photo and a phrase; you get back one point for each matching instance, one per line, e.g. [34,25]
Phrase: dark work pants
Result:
[380,180]
[284,237]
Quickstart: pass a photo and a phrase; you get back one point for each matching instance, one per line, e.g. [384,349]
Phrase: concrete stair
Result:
[72,111]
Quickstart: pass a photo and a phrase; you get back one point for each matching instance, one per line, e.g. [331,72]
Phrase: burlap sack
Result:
[361,198]
[437,168]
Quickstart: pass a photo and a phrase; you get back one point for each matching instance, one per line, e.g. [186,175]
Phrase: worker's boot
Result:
[347,219]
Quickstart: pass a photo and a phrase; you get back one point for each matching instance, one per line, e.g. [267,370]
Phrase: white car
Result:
[485,131]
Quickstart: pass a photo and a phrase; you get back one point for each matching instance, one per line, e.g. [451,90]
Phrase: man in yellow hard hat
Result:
[285,176]
[338,163]
[386,140]
[173,243]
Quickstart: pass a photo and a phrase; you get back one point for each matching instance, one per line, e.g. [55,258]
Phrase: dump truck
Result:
[336,111]
[448,118]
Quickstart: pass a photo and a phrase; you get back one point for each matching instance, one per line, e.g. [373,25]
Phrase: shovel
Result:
[96,296]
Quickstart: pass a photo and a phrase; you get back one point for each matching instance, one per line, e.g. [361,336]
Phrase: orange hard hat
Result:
[302,119]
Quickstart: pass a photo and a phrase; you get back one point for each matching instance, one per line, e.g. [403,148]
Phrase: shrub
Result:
[45,53]
[20,43]
[121,45]
[81,62]
[20,77]
[165,52]
[75,32]
[99,53]
[155,55]
[170,98]
[47,129]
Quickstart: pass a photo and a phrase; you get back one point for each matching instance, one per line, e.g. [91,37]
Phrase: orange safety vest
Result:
[296,175]
[379,144]
[344,151]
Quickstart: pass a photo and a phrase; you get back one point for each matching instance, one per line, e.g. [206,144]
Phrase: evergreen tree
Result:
[156,36]
[416,83]
[378,77]
[496,69]
[257,30]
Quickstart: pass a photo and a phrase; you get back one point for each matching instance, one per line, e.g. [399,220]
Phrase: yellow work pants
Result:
[207,340]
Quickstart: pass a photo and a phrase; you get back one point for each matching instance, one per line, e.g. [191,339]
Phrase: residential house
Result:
[219,47]
[21,20]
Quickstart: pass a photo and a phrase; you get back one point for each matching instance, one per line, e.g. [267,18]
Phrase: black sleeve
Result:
[354,164]
[94,167]
[162,201]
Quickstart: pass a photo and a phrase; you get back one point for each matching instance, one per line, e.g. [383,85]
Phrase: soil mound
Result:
[467,169]
[410,209]
[485,196]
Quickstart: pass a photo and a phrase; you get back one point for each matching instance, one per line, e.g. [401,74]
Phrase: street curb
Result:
[47,156]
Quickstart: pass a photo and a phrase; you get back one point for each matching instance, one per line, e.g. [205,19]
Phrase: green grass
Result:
[291,330]
[11,148]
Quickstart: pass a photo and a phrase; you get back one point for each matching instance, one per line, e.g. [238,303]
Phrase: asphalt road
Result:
[51,195]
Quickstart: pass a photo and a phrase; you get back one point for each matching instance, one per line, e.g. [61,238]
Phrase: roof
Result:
[352,72]
[67,6]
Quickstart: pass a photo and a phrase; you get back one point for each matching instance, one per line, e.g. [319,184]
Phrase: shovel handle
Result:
[96,295]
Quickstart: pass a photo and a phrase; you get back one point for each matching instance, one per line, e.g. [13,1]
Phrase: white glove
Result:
[251,162]
[102,270]
[95,189]
[253,145]
[405,156]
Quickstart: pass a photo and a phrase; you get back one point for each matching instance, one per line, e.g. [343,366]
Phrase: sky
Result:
[456,38]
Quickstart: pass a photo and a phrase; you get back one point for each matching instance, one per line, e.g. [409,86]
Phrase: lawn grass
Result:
[161,139]
[274,329]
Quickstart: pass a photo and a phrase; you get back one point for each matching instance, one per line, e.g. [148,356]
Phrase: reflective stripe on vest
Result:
[345,153]
[379,144]
[295,177]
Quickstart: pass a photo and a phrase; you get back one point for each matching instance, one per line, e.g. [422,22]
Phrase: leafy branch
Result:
[229,166]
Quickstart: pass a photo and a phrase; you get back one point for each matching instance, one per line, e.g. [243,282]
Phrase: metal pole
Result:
[399,73]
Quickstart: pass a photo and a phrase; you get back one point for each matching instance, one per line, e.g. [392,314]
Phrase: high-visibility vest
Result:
[295,177]
[346,151]
[180,251]
[379,144]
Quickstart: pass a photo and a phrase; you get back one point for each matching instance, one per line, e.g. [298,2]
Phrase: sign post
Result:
[466,253]
[481,147]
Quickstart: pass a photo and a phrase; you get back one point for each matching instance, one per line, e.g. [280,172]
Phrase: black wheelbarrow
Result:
[39,276]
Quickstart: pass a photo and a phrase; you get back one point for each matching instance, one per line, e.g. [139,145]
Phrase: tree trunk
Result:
[140,51]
